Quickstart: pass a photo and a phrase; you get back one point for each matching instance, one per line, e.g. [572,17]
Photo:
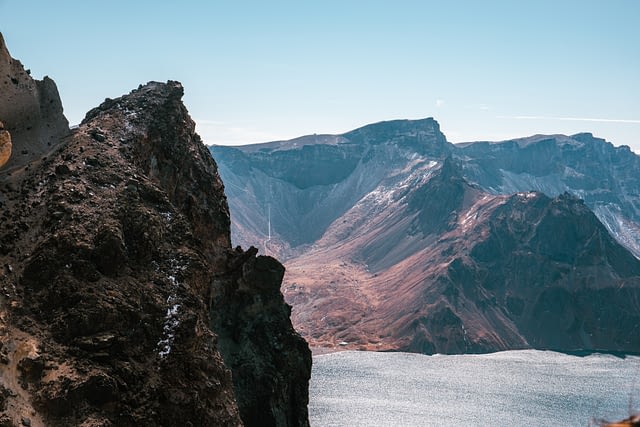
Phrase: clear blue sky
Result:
[264,70]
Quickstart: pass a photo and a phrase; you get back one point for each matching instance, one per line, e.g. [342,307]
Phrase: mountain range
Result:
[124,302]
[395,239]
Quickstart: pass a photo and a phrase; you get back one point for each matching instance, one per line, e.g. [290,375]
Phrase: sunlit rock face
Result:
[30,109]
[395,239]
[5,145]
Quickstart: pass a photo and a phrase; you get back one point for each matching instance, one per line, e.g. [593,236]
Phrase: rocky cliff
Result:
[415,256]
[31,111]
[123,302]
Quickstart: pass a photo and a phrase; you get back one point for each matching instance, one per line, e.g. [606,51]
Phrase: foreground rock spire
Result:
[122,300]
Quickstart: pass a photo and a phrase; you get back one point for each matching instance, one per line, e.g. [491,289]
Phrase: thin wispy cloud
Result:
[572,119]
[481,107]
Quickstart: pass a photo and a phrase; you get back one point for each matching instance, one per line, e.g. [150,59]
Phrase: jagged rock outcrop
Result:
[247,308]
[413,255]
[112,246]
[31,110]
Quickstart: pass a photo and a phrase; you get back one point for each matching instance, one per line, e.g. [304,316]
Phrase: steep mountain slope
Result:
[122,301]
[419,259]
[471,273]
[286,194]
[604,176]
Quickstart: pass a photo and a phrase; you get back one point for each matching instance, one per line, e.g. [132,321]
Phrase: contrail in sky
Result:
[572,119]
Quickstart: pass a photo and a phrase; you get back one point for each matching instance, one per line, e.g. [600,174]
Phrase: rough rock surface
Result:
[113,245]
[247,309]
[5,145]
[31,110]
[410,256]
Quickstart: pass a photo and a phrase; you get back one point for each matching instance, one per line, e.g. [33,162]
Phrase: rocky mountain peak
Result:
[604,176]
[398,127]
[289,192]
[122,301]
[138,101]
[422,135]
[173,157]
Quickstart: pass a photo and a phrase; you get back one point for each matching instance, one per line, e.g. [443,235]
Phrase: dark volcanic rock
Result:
[246,312]
[565,282]
[180,171]
[113,247]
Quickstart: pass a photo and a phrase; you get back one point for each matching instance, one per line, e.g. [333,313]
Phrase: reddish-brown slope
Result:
[434,265]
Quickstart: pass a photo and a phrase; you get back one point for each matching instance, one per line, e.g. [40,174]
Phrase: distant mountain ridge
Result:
[314,183]
[607,178]
[590,168]
[394,238]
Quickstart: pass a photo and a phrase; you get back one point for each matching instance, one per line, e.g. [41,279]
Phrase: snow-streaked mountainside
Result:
[394,238]
[285,195]
[324,173]
[607,178]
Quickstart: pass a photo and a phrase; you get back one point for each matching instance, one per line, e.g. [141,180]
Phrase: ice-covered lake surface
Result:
[523,388]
